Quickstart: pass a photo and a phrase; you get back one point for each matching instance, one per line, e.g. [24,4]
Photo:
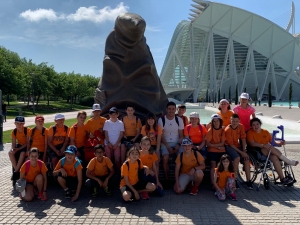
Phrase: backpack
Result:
[32,133]
[65,127]
[63,160]
[140,175]
[75,126]
[27,165]
[164,120]
[181,156]
[189,128]
[25,131]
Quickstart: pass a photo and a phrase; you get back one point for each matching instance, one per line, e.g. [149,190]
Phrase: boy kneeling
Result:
[68,173]
[188,168]
[100,169]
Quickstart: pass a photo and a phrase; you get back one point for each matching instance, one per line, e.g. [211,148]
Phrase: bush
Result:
[87,101]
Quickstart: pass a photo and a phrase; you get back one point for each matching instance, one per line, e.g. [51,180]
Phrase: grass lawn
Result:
[42,108]
[7,134]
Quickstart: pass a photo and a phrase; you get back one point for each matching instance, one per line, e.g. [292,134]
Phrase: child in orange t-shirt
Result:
[181,109]
[132,183]
[189,166]
[215,140]
[37,137]
[78,135]
[18,147]
[149,159]
[57,139]
[35,173]
[224,179]
[68,173]
[225,112]
[100,169]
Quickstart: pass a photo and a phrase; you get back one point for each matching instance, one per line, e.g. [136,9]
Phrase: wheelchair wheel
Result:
[266,181]
[253,170]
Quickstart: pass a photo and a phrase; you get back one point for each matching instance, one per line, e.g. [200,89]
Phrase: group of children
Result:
[222,142]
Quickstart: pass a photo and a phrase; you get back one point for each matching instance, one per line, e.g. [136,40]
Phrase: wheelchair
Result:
[261,164]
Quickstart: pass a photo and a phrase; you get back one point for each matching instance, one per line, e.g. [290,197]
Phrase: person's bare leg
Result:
[166,165]
[277,166]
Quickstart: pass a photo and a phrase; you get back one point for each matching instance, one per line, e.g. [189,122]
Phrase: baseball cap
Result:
[39,118]
[20,119]
[96,107]
[244,95]
[59,116]
[215,116]
[71,149]
[186,141]
[224,100]
[20,185]
[113,110]
[194,115]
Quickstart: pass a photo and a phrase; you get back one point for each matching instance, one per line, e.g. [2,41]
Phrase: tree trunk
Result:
[38,99]
[48,103]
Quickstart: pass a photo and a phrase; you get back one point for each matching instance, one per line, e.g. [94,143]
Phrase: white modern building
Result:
[224,48]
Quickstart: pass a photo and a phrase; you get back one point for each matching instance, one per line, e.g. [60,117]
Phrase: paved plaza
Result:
[279,205]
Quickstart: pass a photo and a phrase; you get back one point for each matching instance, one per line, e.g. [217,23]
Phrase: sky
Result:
[71,34]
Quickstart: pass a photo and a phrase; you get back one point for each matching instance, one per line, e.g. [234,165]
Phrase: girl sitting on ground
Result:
[224,179]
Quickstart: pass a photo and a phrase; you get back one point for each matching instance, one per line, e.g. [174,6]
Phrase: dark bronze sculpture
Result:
[129,73]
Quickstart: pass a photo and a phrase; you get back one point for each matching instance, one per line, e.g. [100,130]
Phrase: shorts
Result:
[71,182]
[215,156]
[91,183]
[203,151]
[184,180]
[231,152]
[129,138]
[53,154]
[140,185]
[164,150]
[18,153]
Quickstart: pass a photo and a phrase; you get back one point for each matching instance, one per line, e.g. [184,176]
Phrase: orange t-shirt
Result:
[189,162]
[33,171]
[69,168]
[233,135]
[79,136]
[132,174]
[194,133]
[148,159]
[38,139]
[59,136]
[215,137]
[263,137]
[131,125]
[222,178]
[151,134]
[20,137]
[184,119]
[95,124]
[99,168]
[226,117]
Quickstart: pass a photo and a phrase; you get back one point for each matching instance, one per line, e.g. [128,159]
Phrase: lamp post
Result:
[33,106]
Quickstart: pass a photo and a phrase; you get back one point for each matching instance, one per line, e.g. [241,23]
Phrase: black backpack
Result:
[181,156]
[163,119]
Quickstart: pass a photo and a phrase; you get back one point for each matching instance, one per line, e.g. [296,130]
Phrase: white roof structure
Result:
[224,47]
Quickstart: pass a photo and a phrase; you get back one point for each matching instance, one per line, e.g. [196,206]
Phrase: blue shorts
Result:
[164,150]
[215,156]
[232,153]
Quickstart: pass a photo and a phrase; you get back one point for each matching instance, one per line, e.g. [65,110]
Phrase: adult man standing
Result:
[4,111]
[172,127]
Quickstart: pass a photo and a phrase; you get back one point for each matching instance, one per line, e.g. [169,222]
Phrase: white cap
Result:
[194,115]
[96,107]
[244,95]
[59,116]
[224,100]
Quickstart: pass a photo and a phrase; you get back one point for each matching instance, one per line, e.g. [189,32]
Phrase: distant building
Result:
[222,46]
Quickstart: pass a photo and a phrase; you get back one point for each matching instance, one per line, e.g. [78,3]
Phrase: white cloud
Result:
[39,14]
[152,29]
[91,14]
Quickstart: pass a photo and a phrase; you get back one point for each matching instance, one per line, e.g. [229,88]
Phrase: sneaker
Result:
[194,190]
[249,185]
[67,193]
[107,191]
[286,181]
[236,185]
[94,192]
[144,195]
[233,197]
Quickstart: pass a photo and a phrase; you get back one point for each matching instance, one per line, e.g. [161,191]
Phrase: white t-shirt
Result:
[113,129]
[170,130]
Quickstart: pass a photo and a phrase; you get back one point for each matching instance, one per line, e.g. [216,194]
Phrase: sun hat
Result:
[71,149]
[20,119]
[96,107]
[59,116]
[194,115]
[186,141]
[244,95]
